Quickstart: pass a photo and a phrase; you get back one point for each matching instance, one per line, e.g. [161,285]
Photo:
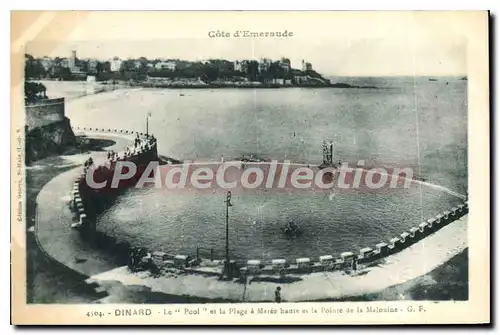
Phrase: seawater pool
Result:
[160,220]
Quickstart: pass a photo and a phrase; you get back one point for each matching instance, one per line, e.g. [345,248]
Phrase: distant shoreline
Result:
[212,86]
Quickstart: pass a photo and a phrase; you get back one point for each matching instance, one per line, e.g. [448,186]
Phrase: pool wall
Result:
[86,200]
[85,219]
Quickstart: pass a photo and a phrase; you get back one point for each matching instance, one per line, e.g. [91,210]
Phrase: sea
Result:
[416,122]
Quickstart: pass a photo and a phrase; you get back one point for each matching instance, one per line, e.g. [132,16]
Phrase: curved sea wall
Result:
[365,257]
[156,260]
[87,201]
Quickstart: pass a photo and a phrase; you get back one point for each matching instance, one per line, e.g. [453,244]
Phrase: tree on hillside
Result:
[144,61]
[34,92]
[63,73]
[33,68]
[106,66]
[84,65]
[252,70]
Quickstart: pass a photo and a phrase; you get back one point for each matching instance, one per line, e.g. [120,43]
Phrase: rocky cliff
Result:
[48,139]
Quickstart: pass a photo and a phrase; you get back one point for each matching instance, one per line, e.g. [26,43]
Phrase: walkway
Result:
[54,217]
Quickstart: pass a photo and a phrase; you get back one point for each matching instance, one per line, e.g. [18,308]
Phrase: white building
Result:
[285,64]
[169,65]
[306,66]
[72,59]
[238,66]
[115,64]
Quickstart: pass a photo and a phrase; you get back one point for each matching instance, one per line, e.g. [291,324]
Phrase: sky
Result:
[381,46]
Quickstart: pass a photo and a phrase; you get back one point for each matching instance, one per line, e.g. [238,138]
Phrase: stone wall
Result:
[47,130]
[48,139]
[84,199]
[44,112]
[366,256]
[82,194]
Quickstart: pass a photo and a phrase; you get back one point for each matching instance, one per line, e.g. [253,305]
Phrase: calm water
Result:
[417,123]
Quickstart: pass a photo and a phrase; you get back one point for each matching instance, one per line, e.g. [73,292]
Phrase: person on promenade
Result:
[277,294]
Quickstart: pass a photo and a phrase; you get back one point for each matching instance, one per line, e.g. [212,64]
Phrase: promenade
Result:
[54,217]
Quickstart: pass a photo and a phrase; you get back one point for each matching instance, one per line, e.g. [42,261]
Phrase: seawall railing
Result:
[345,261]
[146,146]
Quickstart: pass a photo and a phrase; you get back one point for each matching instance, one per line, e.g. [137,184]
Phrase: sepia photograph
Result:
[250,170]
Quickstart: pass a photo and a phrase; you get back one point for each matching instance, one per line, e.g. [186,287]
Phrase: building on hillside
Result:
[72,59]
[64,62]
[301,79]
[73,64]
[115,64]
[264,64]
[168,65]
[93,65]
[225,65]
[182,64]
[285,64]
[240,66]
[77,72]
[306,66]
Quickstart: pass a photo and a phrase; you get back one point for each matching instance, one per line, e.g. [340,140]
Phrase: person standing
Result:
[277,294]
[354,264]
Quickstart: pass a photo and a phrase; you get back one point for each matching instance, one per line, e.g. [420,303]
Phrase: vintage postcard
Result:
[250,168]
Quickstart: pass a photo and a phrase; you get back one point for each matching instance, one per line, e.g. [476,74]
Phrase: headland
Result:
[177,73]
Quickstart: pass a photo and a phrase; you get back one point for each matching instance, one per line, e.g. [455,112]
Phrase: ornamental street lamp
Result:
[147,122]
[228,204]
